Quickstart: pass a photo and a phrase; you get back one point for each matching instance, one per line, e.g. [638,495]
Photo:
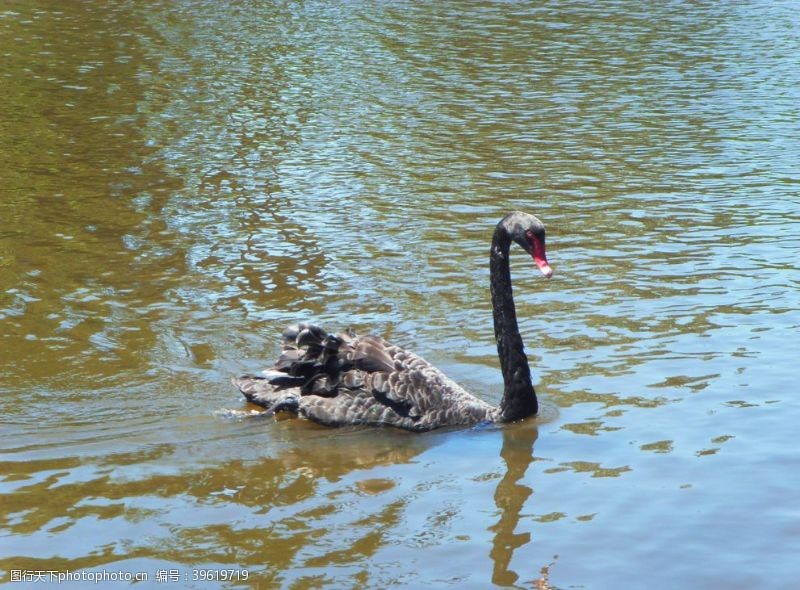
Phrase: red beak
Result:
[539,255]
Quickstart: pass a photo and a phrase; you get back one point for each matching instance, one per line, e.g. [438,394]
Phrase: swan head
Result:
[527,231]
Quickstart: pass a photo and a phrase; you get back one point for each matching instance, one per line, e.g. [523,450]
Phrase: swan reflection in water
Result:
[302,502]
[509,497]
[347,496]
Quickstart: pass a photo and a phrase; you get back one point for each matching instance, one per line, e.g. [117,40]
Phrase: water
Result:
[180,180]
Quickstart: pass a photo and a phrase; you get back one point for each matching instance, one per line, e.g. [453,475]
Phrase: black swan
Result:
[349,379]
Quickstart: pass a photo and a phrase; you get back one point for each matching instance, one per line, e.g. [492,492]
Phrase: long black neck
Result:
[519,398]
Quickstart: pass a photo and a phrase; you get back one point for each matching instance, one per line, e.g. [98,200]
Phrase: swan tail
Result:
[310,364]
[274,393]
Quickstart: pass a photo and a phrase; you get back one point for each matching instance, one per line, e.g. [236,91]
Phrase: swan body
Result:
[344,379]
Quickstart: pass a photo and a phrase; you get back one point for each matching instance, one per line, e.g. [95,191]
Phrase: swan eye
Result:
[533,239]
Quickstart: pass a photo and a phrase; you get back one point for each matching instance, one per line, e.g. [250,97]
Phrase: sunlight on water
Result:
[181,180]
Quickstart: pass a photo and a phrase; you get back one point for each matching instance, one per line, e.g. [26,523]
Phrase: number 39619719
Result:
[222,575]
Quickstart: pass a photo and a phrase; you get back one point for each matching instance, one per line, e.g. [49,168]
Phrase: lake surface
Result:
[179,180]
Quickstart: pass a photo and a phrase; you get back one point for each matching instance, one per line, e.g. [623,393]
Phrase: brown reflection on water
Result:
[275,509]
[236,100]
[85,250]
[303,503]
